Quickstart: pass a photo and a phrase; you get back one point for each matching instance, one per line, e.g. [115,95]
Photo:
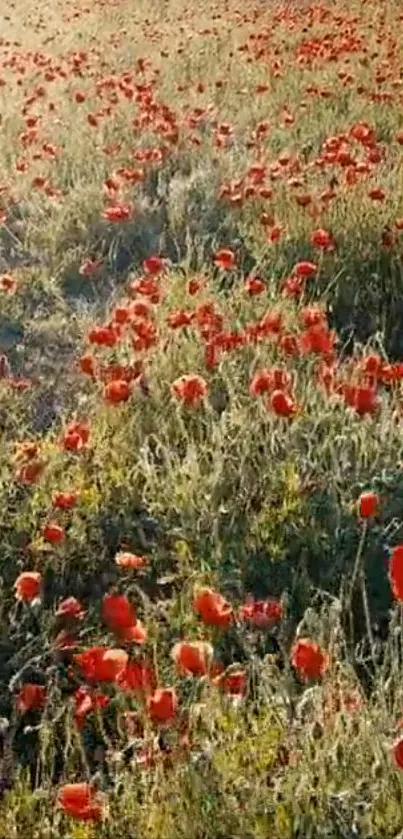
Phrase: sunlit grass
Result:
[167,112]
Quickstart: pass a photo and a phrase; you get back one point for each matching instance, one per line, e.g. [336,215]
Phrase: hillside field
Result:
[201,419]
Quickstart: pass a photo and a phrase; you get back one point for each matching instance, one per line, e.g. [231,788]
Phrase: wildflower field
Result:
[201,419]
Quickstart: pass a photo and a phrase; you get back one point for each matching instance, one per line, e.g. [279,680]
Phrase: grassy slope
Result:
[228,495]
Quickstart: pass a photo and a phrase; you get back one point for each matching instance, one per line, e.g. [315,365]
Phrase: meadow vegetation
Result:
[201,450]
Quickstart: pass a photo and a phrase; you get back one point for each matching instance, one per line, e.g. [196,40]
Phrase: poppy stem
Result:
[356,573]
[367,617]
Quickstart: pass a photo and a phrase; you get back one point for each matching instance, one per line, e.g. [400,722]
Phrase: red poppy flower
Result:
[317,339]
[265,381]
[261,613]
[397,753]
[368,504]
[377,194]
[53,533]
[275,233]
[213,609]
[195,285]
[308,659]
[191,389]
[26,450]
[118,212]
[137,633]
[253,286]
[396,572]
[224,259]
[372,364]
[146,335]
[20,385]
[117,612]
[101,664]
[293,286]
[121,314]
[272,323]
[363,133]
[120,617]
[304,269]
[70,608]
[29,473]
[118,372]
[282,404]
[179,319]
[75,436]
[232,681]
[162,705]
[311,316]
[143,308]
[117,391]
[81,802]
[153,266]
[64,500]
[322,239]
[103,336]
[8,283]
[85,702]
[31,697]
[90,267]
[148,287]
[289,345]
[362,398]
[260,383]
[304,199]
[138,677]
[193,657]
[28,585]
[128,560]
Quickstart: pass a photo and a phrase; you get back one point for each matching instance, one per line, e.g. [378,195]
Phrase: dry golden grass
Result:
[226,494]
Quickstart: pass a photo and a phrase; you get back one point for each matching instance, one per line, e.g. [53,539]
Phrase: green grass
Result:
[225,494]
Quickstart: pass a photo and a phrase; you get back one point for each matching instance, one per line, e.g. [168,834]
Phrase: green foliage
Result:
[224,494]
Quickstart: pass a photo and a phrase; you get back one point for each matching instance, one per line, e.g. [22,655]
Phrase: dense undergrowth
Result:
[201,491]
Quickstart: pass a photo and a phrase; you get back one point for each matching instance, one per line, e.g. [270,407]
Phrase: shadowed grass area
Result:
[201,489]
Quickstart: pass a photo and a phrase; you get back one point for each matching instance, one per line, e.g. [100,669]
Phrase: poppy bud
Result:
[368,503]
